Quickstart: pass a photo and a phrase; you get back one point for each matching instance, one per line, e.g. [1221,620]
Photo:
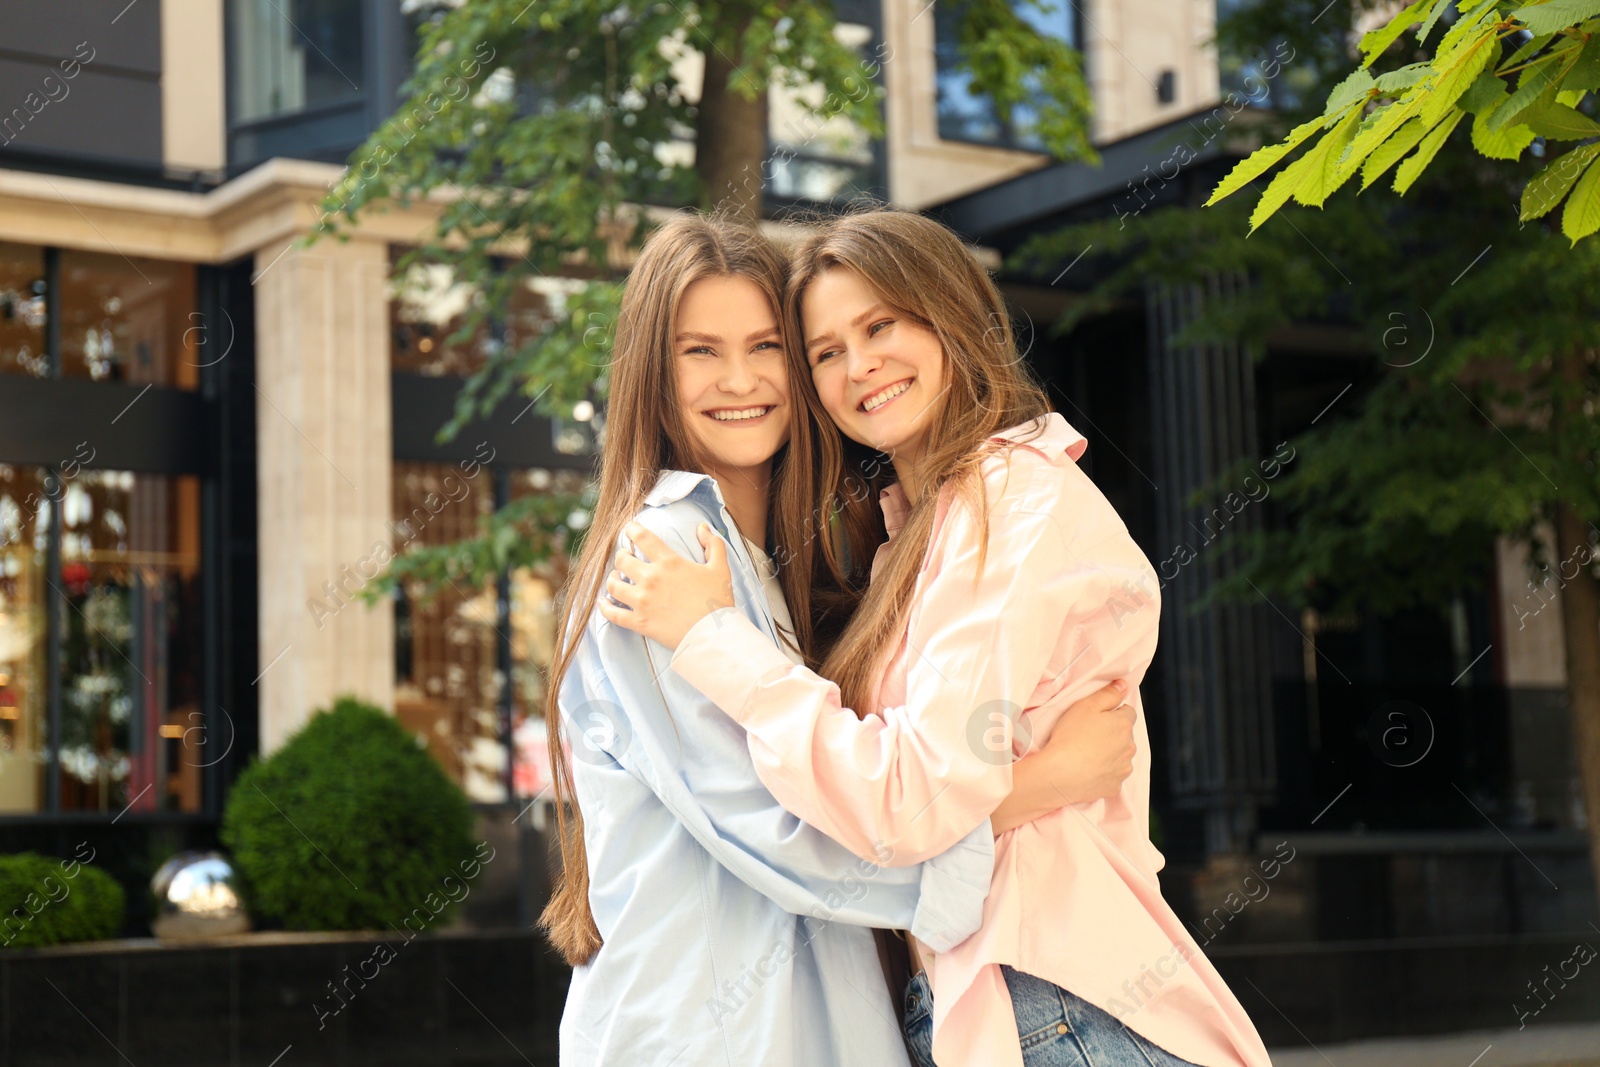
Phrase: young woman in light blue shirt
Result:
[705,924]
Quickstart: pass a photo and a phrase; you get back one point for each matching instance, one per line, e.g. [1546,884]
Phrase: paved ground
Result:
[1553,1045]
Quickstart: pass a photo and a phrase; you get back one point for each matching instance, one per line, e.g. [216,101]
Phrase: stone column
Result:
[324,468]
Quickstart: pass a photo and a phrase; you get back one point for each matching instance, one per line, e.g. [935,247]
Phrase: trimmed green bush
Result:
[349,826]
[45,901]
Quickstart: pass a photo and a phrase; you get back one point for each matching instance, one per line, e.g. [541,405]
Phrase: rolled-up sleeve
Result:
[920,775]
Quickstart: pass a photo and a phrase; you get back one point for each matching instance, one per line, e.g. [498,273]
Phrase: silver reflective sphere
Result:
[196,895]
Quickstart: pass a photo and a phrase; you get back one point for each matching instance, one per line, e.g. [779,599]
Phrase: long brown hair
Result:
[645,434]
[926,274]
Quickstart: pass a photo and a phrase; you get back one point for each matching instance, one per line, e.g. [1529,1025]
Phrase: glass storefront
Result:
[470,663]
[118,603]
[429,307]
[128,321]
[22,311]
[533,609]
[447,686]
[451,645]
[122,320]
[25,521]
[101,596]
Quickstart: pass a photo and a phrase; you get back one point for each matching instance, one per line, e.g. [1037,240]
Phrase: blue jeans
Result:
[1058,1028]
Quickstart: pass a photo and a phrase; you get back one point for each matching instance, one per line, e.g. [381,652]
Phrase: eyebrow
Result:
[857,321]
[713,339]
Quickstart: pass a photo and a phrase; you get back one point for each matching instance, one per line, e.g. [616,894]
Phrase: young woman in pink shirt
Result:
[1002,587]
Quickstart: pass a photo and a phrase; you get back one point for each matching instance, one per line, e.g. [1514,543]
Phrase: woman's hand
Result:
[665,594]
[1089,756]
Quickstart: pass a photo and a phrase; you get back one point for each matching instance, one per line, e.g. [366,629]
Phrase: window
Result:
[532,638]
[122,320]
[22,311]
[470,662]
[99,572]
[965,115]
[293,55]
[824,159]
[1270,79]
[102,659]
[447,685]
[429,307]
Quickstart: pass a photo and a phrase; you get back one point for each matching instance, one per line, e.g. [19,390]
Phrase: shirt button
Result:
[1061,1028]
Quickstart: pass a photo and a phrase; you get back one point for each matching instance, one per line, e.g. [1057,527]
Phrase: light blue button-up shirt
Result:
[735,934]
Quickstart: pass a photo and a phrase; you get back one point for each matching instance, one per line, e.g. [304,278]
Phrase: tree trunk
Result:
[1580,624]
[730,140]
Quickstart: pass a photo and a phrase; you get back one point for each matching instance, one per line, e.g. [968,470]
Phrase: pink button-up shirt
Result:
[1065,604]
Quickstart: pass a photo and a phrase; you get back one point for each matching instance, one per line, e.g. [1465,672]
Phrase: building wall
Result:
[153,91]
[324,446]
[1129,43]
[1530,617]
[81,79]
[193,94]
[1126,44]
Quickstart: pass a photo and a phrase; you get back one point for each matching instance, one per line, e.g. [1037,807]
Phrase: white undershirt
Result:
[775,601]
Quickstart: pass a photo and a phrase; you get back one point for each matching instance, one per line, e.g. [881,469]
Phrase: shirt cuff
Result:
[728,658]
[955,885]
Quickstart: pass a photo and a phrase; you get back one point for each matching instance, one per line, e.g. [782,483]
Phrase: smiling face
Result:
[732,379]
[878,373]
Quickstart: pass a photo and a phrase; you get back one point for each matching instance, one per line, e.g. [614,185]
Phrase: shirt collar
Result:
[892,499]
[673,485]
[1055,437]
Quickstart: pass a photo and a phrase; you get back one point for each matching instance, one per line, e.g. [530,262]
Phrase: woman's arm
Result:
[924,773]
[1088,757]
[620,703]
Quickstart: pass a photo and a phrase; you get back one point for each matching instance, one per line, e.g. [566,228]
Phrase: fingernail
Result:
[1122,687]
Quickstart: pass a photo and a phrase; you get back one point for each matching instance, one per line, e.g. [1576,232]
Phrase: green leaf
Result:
[1556,14]
[1277,193]
[1479,20]
[1585,70]
[1537,83]
[1558,122]
[1402,77]
[1433,16]
[1547,188]
[1381,124]
[1258,162]
[1388,154]
[1324,171]
[1508,143]
[1413,167]
[1356,85]
[1582,215]
[1376,42]
[1530,47]
[1482,93]
[1458,77]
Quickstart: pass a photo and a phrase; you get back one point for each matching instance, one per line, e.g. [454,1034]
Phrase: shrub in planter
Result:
[349,826]
[45,901]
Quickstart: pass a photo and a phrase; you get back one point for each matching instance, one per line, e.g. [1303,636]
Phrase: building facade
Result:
[208,431]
